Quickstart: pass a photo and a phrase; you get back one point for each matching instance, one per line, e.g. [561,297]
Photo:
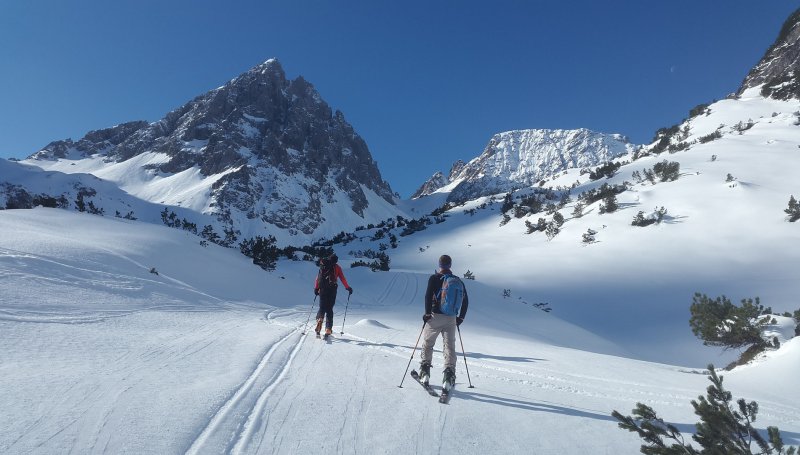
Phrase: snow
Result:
[100,355]
[718,238]
[188,189]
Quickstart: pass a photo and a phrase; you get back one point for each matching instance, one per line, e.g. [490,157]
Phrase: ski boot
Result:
[319,326]
[327,331]
[425,373]
[449,379]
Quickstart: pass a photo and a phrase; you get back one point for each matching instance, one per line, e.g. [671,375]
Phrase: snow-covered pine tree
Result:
[552,230]
[588,237]
[577,211]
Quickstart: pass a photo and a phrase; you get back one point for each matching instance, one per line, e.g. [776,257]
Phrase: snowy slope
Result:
[718,237]
[100,355]
[189,193]
[20,183]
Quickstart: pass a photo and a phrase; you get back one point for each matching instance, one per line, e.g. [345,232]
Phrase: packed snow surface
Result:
[99,354]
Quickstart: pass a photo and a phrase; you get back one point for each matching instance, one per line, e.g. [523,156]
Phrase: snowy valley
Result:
[208,356]
[123,335]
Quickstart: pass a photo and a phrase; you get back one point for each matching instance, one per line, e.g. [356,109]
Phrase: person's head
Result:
[333,259]
[445,262]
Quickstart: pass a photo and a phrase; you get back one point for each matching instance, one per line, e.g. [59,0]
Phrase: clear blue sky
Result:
[424,82]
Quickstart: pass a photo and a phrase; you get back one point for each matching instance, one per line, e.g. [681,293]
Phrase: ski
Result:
[427,387]
[444,398]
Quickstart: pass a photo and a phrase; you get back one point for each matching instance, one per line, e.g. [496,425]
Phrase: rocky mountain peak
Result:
[778,72]
[276,150]
[521,158]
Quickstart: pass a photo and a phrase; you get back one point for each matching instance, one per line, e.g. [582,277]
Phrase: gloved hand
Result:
[316,291]
[459,320]
[426,317]
[350,291]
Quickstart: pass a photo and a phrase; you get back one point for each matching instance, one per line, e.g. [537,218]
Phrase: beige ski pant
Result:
[445,325]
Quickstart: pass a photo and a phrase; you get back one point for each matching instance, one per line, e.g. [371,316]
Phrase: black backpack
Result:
[327,275]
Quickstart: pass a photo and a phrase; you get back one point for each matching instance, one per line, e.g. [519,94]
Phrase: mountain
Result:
[522,158]
[140,340]
[262,155]
[778,72]
[209,355]
[438,180]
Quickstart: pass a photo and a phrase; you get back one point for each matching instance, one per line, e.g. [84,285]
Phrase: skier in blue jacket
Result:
[444,311]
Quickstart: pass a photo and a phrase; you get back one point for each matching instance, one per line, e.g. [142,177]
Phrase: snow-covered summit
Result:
[522,158]
[262,154]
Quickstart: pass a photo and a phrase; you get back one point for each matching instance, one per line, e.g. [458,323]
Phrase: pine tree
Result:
[793,210]
[265,253]
[718,322]
[639,220]
[588,237]
[209,234]
[577,212]
[609,204]
[667,171]
[529,227]
[80,204]
[723,428]
[552,230]
[660,214]
[508,204]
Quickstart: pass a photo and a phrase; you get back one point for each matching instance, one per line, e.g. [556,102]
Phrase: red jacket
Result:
[339,274]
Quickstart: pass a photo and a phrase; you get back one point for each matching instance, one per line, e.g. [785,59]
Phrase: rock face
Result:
[277,151]
[778,72]
[438,180]
[518,159]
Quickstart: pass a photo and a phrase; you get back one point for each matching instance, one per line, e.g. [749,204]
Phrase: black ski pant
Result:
[327,299]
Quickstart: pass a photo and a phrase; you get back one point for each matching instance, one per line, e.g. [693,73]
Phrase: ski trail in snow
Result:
[399,291]
[253,426]
[231,422]
[387,290]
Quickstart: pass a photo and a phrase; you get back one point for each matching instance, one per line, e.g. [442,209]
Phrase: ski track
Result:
[398,292]
[230,430]
[260,415]
[536,377]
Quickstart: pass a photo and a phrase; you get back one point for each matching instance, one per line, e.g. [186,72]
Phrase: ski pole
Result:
[465,357]
[305,326]
[412,354]
[345,314]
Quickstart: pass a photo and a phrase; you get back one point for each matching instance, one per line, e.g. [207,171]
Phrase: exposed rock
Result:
[279,148]
[778,72]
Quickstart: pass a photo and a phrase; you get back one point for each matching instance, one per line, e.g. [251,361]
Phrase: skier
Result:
[325,286]
[446,305]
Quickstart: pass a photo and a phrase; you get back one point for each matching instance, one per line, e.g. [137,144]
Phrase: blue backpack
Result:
[451,295]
